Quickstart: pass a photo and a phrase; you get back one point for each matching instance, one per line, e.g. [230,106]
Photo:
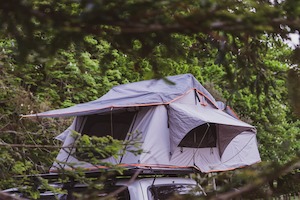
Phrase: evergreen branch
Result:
[4,196]
[289,166]
[33,146]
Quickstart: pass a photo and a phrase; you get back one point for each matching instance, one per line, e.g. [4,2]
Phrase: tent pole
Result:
[194,153]
[197,97]
[111,122]
[128,136]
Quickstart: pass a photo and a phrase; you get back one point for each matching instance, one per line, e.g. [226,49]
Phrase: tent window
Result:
[193,138]
[101,125]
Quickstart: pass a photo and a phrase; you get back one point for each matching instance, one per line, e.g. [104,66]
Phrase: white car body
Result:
[139,189]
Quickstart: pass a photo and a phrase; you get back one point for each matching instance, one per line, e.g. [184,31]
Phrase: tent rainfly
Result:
[180,125]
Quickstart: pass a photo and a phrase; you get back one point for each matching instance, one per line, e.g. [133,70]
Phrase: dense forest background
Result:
[55,54]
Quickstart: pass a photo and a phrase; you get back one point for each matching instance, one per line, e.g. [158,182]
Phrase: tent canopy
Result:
[143,93]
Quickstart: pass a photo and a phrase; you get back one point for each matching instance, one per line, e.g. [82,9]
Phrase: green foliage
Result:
[93,149]
[149,22]
[73,52]
[21,167]
[293,87]
[157,31]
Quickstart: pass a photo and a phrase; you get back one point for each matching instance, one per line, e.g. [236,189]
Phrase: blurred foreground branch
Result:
[264,178]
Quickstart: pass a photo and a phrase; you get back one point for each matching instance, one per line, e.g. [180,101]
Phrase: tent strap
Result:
[206,131]
[200,99]
[196,97]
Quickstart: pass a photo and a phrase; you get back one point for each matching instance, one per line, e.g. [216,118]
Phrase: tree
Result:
[234,47]
[234,28]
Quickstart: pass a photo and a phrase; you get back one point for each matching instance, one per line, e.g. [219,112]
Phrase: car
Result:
[126,189]
[144,185]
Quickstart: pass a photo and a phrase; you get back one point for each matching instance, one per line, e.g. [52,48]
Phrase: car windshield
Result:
[162,192]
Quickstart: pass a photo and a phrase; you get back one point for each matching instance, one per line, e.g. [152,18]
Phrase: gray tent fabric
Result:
[143,93]
[75,126]
[227,132]
[171,120]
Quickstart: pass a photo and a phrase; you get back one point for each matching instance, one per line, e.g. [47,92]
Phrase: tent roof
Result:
[143,93]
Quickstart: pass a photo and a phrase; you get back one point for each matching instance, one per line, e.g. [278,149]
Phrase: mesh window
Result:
[193,138]
[113,124]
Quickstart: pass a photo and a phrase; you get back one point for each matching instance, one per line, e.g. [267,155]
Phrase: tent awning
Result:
[185,117]
[143,93]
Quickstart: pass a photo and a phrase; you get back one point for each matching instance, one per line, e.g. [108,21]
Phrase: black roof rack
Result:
[128,171]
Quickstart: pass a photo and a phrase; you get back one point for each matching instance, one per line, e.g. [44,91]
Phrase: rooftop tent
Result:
[179,125]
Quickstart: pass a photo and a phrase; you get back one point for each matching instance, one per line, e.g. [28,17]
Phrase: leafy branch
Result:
[261,179]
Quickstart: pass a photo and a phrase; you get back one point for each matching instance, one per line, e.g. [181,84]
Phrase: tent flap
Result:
[185,117]
[226,133]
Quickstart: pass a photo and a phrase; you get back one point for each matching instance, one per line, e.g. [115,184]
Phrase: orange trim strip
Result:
[135,165]
[233,113]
